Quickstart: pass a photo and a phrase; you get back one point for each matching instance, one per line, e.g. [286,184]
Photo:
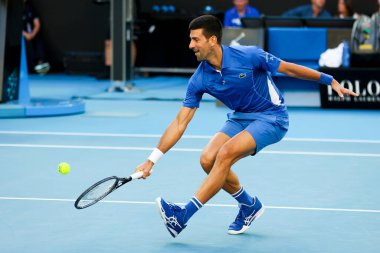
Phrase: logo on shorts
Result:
[242,75]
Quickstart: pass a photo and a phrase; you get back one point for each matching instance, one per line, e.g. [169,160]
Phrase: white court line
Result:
[332,140]
[211,205]
[184,136]
[280,152]
[11,145]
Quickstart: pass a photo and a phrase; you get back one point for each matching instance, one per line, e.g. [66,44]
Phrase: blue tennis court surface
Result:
[320,184]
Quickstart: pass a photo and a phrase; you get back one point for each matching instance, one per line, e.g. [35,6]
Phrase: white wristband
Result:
[155,155]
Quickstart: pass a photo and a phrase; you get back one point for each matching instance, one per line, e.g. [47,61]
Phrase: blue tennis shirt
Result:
[232,17]
[243,84]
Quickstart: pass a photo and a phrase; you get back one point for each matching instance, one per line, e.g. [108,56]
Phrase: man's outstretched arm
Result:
[301,72]
[170,137]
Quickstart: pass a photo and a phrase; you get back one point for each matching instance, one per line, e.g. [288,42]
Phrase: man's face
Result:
[319,3]
[240,4]
[200,45]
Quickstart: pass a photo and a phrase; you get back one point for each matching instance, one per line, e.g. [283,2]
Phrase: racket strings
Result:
[98,192]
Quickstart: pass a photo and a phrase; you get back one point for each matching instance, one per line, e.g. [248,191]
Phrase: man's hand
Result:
[341,90]
[146,168]
[28,36]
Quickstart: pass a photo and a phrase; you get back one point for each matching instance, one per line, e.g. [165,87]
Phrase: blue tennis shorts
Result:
[265,129]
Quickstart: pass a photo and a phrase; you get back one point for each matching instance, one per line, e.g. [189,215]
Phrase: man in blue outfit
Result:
[314,9]
[241,9]
[239,76]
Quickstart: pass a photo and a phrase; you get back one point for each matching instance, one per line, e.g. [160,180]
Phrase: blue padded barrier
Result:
[302,46]
[298,45]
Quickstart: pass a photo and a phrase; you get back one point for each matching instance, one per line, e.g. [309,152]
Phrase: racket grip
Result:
[139,174]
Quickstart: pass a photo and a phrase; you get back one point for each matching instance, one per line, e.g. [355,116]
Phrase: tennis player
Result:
[239,76]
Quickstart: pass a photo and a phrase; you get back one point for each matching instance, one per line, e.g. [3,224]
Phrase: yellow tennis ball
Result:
[64,168]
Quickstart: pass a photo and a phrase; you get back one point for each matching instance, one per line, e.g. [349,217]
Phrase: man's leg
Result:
[208,157]
[176,218]
[229,153]
[221,175]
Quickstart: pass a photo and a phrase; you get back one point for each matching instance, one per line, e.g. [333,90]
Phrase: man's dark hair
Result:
[211,25]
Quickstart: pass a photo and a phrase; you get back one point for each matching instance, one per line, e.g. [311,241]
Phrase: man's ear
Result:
[213,40]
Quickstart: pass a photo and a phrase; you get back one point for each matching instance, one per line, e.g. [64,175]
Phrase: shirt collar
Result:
[225,59]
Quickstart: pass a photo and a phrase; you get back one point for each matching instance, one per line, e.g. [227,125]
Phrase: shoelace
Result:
[239,217]
[175,207]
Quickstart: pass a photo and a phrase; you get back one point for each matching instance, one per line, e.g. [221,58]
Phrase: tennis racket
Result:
[101,189]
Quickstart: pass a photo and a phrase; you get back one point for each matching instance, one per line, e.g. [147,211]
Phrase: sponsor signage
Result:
[365,82]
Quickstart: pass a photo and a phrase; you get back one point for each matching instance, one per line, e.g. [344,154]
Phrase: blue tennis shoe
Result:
[173,216]
[246,215]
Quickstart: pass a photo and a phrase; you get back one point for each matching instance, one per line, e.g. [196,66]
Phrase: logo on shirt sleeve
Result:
[268,57]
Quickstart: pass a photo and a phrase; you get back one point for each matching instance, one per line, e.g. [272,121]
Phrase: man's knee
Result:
[226,155]
[207,162]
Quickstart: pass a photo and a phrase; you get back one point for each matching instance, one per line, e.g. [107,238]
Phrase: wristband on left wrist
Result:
[325,79]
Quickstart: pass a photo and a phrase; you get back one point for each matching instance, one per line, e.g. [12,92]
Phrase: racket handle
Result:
[139,174]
